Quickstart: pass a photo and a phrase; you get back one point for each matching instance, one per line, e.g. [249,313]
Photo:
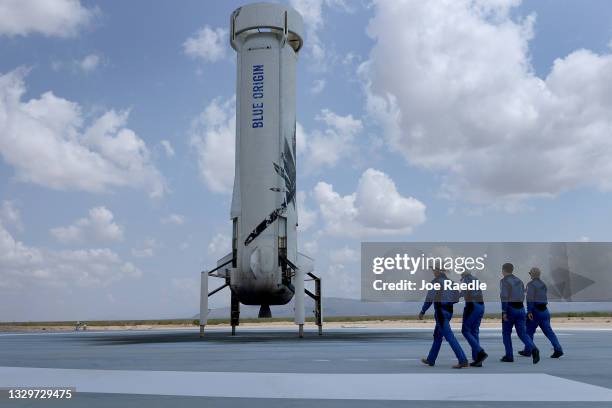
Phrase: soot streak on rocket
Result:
[288,173]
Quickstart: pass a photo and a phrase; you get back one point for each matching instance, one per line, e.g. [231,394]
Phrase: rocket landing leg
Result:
[299,300]
[318,304]
[203,301]
[317,297]
[235,313]
[204,294]
[300,292]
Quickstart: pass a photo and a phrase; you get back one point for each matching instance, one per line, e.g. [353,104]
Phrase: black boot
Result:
[535,355]
[482,356]
[557,354]
[524,353]
[506,359]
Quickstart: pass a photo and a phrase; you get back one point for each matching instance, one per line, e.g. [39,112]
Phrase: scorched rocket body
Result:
[263,268]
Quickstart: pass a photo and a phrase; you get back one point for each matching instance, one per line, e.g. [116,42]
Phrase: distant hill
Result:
[333,306]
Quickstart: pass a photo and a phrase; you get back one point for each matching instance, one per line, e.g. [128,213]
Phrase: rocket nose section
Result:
[261,261]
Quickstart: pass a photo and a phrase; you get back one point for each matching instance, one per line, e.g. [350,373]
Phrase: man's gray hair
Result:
[535,272]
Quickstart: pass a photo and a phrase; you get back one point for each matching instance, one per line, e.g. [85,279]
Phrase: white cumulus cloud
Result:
[10,214]
[326,147]
[22,266]
[147,250]
[47,143]
[310,247]
[462,99]
[219,246]
[57,18]
[168,149]
[86,65]
[212,135]
[376,208]
[314,21]
[142,252]
[208,44]
[317,86]
[99,225]
[344,255]
[89,63]
[306,216]
[175,219]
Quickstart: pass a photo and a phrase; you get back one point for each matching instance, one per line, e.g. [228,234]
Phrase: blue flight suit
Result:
[512,294]
[537,301]
[443,301]
[472,315]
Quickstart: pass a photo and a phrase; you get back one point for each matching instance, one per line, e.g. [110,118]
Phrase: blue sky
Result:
[420,121]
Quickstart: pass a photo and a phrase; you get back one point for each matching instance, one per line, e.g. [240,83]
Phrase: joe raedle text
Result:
[424,285]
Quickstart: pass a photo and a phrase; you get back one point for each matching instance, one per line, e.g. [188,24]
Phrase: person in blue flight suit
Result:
[443,300]
[538,314]
[512,294]
[472,316]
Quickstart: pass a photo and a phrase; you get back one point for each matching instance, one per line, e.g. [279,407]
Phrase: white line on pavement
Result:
[409,386]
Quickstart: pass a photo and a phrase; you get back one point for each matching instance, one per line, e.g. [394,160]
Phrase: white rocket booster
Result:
[264,267]
[267,39]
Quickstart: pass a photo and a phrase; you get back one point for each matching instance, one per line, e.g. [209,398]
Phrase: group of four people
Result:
[512,294]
